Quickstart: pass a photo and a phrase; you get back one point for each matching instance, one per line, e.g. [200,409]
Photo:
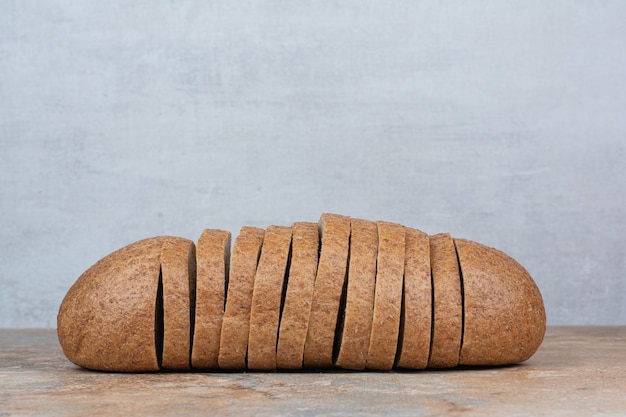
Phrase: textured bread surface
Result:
[178,269]
[107,319]
[359,310]
[505,319]
[236,321]
[388,296]
[294,321]
[266,298]
[448,305]
[341,292]
[414,343]
[212,262]
[331,275]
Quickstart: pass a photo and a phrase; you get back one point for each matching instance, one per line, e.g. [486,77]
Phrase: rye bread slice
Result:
[178,268]
[448,304]
[329,283]
[359,308]
[236,321]
[107,320]
[388,296]
[294,321]
[414,345]
[505,319]
[266,298]
[212,261]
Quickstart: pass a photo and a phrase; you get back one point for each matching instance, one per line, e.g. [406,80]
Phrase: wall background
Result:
[501,122]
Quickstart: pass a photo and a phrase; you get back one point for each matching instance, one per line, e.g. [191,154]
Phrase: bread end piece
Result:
[505,319]
[107,320]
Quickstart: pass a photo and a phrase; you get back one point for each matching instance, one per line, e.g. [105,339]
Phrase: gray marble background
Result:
[502,122]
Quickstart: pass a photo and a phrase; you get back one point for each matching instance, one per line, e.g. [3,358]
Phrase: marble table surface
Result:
[578,371]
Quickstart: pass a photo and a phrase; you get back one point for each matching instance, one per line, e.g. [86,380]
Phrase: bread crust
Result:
[178,261]
[359,309]
[107,319]
[236,321]
[375,293]
[388,296]
[294,321]
[414,347]
[266,298]
[448,305]
[212,261]
[505,319]
[329,281]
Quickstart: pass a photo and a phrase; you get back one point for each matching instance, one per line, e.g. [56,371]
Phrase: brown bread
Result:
[417,307]
[448,304]
[266,298]
[388,296]
[329,282]
[236,322]
[178,268]
[213,260]
[359,310]
[505,319]
[294,322]
[423,301]
[107,319]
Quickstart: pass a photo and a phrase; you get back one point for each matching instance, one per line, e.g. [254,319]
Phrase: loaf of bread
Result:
[356,295]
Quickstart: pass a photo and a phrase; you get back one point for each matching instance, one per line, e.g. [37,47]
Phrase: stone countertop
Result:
[578,371]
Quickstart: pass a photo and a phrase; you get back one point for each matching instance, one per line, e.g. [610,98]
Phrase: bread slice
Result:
[414,345]
[505,319]
[107,320]
[388,296]
[212,261]
[359,309]
[448,305]
[266,298]
[178,268]
[329,283]
[294,321]
[236,321]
